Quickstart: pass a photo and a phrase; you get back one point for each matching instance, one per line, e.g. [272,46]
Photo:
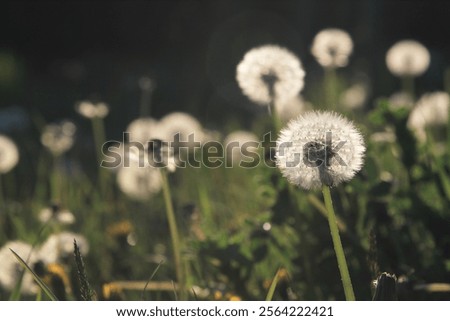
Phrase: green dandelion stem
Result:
[331,88]
[2,196]
[173,233]
[98,129]
[342,263]
[55,180]
[408,85]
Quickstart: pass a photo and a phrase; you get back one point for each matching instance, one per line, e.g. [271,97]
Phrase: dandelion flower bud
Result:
[90,110]
[319,148]
[332,48]
[9,155]
[270,73]
[407,58]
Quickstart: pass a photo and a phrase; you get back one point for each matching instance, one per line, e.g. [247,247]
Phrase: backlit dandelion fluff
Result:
[91,110]
[143,130]
[291,109]
[57,214]
[354,97]
[431,109]
[401,100]
[60,246]
[270,73]
[10,269]
[319,148]
[180,123]
[9,154]
[407,58]
[239,144]
[322,149]
[332,47]
[59,137]
[139,183]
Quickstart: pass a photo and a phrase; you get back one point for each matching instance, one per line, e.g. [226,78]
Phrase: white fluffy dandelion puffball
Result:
[10,269]
[270,73]
[60,245]
[407,58]
[332,47]
[92,110]
[432,109]
[9,155]
[319,148]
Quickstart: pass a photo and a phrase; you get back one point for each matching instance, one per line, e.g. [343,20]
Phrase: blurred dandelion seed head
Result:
[270,73]
[56,214]
[430,110]
[143,129]
[332,48]
[91,110]
[10,269]
[239,138]
[401,100]
[58,137]
[407,58]
[354,97]
[9,154]
[292,108]
[60,246]
[179,123]
[139,183]
[319,148]
[146,83]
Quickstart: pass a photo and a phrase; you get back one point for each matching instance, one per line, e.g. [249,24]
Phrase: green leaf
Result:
[38,280]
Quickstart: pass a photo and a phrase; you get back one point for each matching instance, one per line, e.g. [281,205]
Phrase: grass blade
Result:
[85,289]
[273,286]
[38,280]
[149,279]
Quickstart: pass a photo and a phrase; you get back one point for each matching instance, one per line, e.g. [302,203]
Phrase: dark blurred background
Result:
[56,52]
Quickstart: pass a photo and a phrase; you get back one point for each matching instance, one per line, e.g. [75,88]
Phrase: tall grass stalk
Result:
[342,263]
[174,235]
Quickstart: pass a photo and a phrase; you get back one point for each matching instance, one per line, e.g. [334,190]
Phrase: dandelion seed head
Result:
[430,110]
[354,97]
[319,148]
[146,83]
[57,214]
[179,123]
[291,109]
[237,139]
[139,183]
[59,246]
[58,137]
[91,110]
[332,47]
[9,154]
[270,73]
[407,58]
[143,130]
[10,269]
[401,100]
